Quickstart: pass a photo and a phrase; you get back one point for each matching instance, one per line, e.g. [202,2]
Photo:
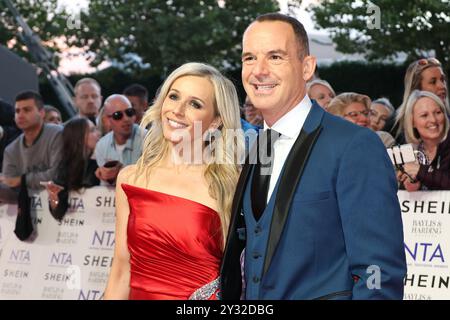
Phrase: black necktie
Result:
[263,171]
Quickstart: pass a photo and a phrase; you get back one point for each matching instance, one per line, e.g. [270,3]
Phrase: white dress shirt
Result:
[289,126]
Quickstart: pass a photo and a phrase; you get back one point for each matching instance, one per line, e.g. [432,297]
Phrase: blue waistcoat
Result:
[257,236]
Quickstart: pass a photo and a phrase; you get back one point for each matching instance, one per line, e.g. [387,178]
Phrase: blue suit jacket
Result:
[336,220]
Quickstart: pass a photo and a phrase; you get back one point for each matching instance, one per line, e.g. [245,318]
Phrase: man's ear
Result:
[309,67]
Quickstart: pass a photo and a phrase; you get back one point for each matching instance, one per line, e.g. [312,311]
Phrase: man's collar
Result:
[35,139]
[129,142]
[292,122]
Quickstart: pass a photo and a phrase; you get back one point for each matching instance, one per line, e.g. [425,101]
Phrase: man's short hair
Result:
[26,95]
[87,80]
[136,90]
[297,26]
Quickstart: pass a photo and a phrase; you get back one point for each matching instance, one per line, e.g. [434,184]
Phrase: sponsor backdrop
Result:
[67,260]
[426,225]
[71,259]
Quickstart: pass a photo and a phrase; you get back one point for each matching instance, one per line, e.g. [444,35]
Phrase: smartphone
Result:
[111,164]
[400,155]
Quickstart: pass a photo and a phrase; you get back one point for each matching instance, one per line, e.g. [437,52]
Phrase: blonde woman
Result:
[351,106]
[355,108]
[425,75]
[426,127]
[173,213]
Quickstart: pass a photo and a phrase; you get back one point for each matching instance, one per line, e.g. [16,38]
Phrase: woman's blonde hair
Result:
[413,80]
[221,176]
[411,134]
[341,101]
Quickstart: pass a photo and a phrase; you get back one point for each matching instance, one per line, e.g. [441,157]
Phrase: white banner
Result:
[426,225]
[71,259]
[67,260]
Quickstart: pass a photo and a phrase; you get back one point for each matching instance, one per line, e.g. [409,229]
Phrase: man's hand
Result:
[108,174]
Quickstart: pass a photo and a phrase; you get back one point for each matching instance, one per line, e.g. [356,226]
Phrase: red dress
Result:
[174,245]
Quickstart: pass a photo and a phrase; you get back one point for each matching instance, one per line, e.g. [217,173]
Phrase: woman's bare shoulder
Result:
[127,173]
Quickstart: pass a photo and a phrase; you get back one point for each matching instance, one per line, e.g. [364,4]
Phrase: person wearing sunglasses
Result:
[123,144]
[424,74]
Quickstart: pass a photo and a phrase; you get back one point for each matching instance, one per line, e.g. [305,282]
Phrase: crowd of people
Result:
[206,230]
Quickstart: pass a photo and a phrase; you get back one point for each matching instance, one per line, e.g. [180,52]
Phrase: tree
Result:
[164,34]
[43,17]
[415,27]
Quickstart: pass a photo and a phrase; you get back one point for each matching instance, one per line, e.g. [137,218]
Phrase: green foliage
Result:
[373,79]
[414,27]
[43,17]
[113,80]
[165,34]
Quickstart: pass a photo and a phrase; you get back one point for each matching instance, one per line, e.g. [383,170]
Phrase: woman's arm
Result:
[438,179]
[118,286]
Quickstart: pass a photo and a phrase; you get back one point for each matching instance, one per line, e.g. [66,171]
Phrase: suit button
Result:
[256,279]
[258,230]
[256,255]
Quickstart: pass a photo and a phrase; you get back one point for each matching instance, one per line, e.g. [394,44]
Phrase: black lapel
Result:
[230,271]
[293,169]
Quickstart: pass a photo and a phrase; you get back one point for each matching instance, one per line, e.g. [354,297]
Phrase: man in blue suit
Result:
[326,223]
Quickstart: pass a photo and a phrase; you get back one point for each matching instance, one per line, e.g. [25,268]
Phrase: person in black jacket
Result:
[77,168]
